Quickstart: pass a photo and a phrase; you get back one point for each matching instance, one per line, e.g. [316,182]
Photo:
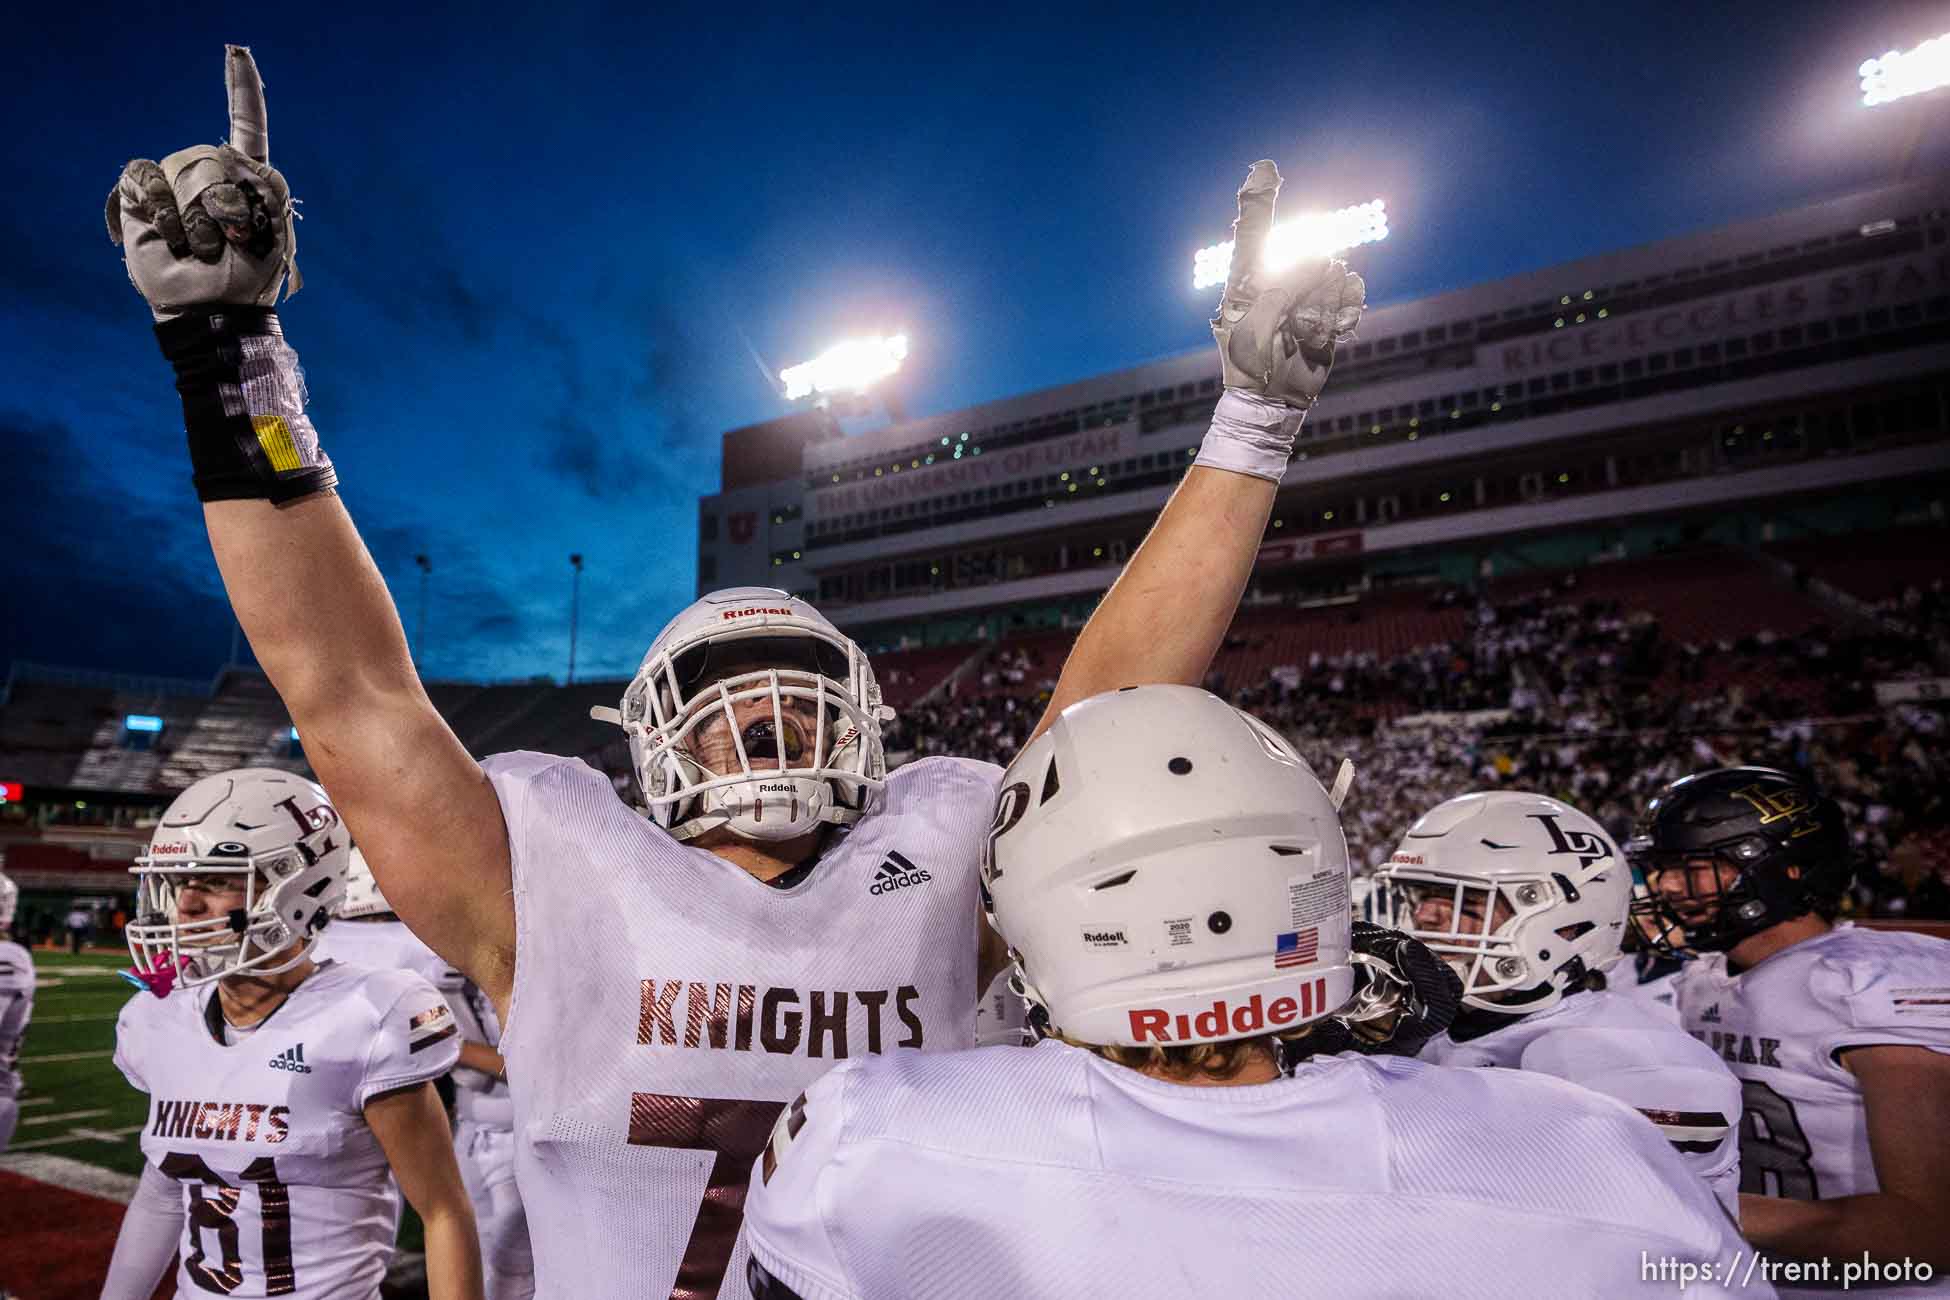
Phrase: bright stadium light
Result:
[1312,234]
[850,367]
[1902,73]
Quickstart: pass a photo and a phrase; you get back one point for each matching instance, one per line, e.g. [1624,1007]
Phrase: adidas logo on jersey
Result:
[292,1059]
[897,873]
[1711,1015]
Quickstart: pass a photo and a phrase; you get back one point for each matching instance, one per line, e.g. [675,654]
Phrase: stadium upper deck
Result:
[1790,356]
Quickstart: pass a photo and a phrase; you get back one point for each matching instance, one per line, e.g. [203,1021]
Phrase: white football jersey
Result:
[1780,1025]
[479,1098]
[375,945]
[1616,1046]
[1658,994]
[667,1004]
[286,1190]
[1052,1172]
[16,1009]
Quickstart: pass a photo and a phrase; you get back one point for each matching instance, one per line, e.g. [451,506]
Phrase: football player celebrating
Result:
[16,1009]
[780,902]
[1526,898]
[1173,884]
[1840,1036]
[367,932]
[281,1089]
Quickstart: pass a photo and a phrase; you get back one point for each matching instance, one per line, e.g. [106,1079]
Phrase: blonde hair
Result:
[1212,1061]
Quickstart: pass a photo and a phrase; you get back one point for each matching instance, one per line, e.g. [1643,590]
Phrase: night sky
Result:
[545,249]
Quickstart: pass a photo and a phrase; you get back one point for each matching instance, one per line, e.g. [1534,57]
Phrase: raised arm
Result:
[209,242]
[1164,617]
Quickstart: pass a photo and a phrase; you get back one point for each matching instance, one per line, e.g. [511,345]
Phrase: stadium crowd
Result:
[1586,700]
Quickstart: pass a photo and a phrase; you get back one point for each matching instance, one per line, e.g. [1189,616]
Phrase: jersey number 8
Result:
[213,1208]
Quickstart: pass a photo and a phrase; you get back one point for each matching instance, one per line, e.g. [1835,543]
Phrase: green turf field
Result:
[75,1102]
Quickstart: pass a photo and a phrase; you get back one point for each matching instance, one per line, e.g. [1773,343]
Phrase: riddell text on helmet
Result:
[1253,1016]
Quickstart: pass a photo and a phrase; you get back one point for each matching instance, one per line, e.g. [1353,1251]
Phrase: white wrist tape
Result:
[1250,434]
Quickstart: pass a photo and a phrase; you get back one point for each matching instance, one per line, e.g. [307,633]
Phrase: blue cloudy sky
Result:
[543,244]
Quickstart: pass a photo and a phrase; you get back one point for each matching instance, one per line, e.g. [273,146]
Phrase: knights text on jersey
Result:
[1624,1049]
[16,1009]
[1781,1025]
[286,1189]
[1051,1172]
[667,1005]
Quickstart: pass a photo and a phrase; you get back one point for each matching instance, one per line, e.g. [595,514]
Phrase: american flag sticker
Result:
[1296,947]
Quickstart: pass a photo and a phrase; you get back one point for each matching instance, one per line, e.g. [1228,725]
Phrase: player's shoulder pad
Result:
[948,791]
[945,772]
[785,1219]
[522,765]
[528,784]
[1602,1157]
[16,967]
[146,1020]
[1884,979]
[414,1036]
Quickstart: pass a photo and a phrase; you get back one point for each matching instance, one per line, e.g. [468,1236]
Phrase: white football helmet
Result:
[1167,870]
[9,899]
[1537,895]
[280,835]
[362,896]
[818,713]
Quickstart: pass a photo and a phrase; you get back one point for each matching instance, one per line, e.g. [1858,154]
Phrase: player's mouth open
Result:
[762,740]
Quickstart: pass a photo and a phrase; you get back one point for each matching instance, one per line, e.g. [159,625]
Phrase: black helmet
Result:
[1785,839]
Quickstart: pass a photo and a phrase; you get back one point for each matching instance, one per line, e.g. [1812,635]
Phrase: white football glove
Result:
[211,223]
[1277,330]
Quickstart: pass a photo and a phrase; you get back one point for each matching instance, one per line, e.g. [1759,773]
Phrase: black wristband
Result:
[243,406]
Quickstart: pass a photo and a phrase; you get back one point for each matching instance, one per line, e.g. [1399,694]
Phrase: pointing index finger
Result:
[250,130]
[1256,199]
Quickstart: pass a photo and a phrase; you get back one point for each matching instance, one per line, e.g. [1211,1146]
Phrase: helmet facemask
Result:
[252,938]
[1690,920]
[1480,939]
[767,736]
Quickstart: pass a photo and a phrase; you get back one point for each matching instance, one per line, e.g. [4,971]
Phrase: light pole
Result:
[420,632]
[575,603]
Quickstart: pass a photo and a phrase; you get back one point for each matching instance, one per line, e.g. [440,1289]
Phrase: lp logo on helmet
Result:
[1588,847]
[1774,805]
[309,819]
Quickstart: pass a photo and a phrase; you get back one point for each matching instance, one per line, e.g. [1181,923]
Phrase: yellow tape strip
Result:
[275,438]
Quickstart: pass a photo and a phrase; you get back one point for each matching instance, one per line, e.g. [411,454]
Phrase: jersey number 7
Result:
[735,1132]
[213,1207]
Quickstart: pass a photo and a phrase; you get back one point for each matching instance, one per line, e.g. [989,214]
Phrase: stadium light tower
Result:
[843,375]
[1311,234]
[1907,74]
[1899,74]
